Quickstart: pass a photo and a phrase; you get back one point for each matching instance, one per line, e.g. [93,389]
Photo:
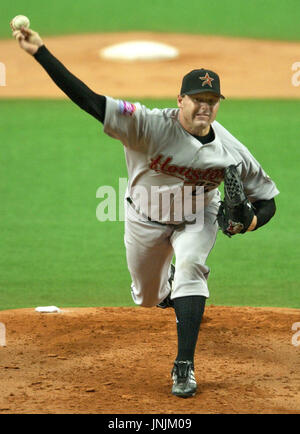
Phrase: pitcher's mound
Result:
[118,360]
[248,68]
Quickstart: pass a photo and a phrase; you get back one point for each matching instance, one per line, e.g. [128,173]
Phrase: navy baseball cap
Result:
[201,80]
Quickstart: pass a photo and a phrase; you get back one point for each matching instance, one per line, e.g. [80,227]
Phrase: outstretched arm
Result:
[75,89]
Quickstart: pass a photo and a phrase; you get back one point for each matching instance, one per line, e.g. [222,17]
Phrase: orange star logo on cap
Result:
[207,80]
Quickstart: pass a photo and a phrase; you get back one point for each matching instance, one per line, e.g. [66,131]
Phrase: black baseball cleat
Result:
[167,302]
[184,382]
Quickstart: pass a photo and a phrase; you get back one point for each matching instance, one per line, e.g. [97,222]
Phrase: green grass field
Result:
[53,249]
[272,19]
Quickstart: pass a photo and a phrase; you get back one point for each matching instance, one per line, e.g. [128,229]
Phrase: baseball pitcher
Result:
[172,155]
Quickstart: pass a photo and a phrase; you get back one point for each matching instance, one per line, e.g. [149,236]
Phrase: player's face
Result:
[198,111]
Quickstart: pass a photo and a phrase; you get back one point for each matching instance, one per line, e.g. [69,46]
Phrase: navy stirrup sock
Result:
[189,312]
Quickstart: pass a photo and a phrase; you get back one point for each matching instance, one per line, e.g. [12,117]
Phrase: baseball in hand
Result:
[20,21]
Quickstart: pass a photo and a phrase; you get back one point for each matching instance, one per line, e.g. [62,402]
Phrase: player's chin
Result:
[202,122]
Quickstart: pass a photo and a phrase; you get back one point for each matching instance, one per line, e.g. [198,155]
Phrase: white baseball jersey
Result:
[160,152]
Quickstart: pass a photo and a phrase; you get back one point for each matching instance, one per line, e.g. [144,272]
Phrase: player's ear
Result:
[180,100]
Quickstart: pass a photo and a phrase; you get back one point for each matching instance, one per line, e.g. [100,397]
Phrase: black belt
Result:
[178,226]
[129,200]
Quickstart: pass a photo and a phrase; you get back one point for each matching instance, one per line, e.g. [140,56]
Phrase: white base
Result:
[47,309]
[139,50]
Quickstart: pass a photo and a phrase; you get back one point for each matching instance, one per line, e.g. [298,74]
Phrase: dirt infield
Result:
[118,360]
[248,67]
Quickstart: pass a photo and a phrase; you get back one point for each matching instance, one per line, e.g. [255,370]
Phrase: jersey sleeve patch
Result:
[126,108]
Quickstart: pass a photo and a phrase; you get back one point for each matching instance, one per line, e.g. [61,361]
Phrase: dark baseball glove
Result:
[235,212]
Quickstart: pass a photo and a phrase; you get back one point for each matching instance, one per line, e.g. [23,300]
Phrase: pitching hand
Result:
[29,40]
